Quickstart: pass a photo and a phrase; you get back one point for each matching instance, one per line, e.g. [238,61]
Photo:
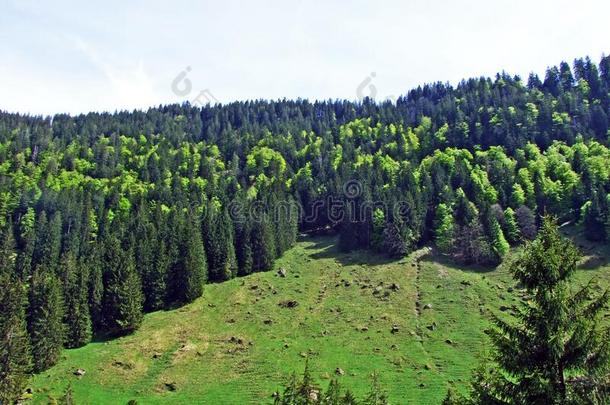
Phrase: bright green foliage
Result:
[444,228]
[498,241]
[513,234]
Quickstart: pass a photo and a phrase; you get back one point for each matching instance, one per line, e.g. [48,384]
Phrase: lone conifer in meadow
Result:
[556,345]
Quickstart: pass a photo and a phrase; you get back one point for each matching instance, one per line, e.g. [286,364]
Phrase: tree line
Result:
[106,216]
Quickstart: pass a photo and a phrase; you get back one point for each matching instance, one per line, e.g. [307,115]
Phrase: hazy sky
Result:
[65,56]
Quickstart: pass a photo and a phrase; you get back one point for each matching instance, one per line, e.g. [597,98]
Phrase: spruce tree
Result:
[45,318]
[243,245]
[595,216]
[194,265]
[513,235]
[96,289]
[218,237]
[15,355]
[556,340]
[76,298]
[123,299]
[263,245]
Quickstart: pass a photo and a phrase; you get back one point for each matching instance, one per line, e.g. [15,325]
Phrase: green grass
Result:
[191,350]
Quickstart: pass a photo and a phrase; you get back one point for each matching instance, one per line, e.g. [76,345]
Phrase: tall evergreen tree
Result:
[123,299]
[76,298]
[556,340]
[15,355]
[45,318]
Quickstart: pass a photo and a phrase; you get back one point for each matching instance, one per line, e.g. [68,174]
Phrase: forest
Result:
[107,216]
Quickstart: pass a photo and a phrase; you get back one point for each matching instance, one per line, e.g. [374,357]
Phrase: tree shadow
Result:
[436,257]
[593,262]
[326,247]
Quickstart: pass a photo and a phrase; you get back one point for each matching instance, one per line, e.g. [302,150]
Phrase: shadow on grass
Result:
[326,247]
[436,257]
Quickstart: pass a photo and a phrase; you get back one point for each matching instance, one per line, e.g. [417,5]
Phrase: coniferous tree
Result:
[15,355]
[218,237]
[45,318]
[263,245]
[243,245]
[96,290]
[513,235]
[123,299]
[556,341]
[193,267]
[76,301]
[595,218]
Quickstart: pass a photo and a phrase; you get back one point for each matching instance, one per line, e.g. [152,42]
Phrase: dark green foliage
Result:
[15,356]
[555,343]
[526,221]
[96,291]
[76,298]
[218,237]
[262,241]
[243,246]
[45,318]
[595,218]
[123,298]
[194,266]
[441,152]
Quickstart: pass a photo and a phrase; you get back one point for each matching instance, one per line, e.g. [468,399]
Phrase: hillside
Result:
[241,340]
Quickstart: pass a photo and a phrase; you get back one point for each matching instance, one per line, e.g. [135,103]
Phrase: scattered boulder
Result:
[378,289]
[504,308]
[432,326]
[236,340]
[268,321]
[428,306]
[364,329]
[282,272]
[449,341]
[395,287]
[466,283]
[79,372]
[395,328]
[339,371]
[288,304]
[171,386]
[254,287]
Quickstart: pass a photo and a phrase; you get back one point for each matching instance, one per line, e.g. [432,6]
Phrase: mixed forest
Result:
[107,216]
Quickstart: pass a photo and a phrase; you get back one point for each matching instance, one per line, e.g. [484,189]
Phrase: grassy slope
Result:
[191,348]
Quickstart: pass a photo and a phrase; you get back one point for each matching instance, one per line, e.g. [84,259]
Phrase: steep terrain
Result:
[418,321]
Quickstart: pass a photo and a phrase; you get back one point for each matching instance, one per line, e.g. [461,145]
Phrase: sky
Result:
[80,56]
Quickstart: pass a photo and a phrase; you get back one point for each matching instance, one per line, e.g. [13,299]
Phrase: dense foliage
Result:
[110,215]
[555,350]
